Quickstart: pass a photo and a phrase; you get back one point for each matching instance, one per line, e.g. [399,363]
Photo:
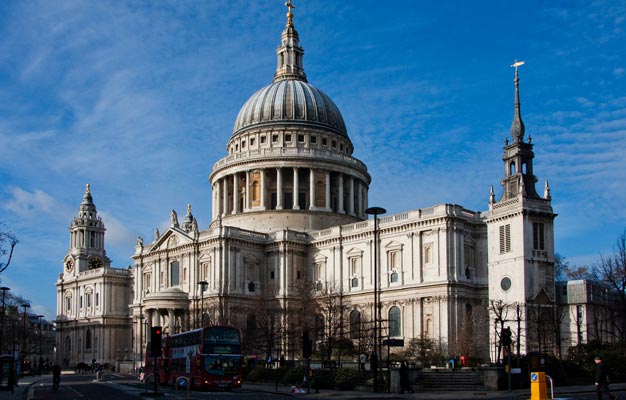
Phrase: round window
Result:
[505,283]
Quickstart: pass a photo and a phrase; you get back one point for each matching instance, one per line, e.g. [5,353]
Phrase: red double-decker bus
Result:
[208,358]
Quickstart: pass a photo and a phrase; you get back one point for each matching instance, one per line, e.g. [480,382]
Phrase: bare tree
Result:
[331,310]
[611,270]
[500,312]
[8,241]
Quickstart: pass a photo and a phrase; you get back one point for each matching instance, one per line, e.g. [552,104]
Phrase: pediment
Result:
[394,245]
[172,238]
[319,258]
[542,298]
[354,252]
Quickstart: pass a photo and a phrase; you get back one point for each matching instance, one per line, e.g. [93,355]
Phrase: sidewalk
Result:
[20,392]
[518,394]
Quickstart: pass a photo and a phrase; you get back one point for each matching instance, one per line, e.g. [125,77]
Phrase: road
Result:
[120,387]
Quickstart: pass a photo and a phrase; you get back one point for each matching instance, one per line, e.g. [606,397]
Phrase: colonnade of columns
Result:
[171,319]
[295,188]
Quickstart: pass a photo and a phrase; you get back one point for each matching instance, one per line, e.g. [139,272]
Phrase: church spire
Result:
[289,53]
[517,127]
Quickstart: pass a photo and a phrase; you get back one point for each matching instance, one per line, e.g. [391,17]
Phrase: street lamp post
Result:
[202,287]
[40,349]
[24,306]
[140,337]
[4,291]
[376,211]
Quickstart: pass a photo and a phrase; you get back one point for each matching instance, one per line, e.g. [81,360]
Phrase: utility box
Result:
[538,387]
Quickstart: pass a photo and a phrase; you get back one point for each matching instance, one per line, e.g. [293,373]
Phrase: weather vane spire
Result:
[517,127]
[289,6]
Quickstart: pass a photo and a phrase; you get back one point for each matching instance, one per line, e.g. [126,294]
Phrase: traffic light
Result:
[155,341]
[307,345]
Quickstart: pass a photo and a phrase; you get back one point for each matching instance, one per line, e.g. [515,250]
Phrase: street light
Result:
[140,337]
[203,285]
[4,291]
[376,211]
[24,306]
[40,338]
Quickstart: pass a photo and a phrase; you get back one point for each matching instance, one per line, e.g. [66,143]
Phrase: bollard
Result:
[538,388]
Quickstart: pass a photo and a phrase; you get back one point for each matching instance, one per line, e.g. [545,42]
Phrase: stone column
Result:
[351,196]
[340,209]
[279,189]
[263,206]
[359,199]
[296,189]
[225,197]
[235,194]
[311,189]
[327,199]
[171,320]
[246,205]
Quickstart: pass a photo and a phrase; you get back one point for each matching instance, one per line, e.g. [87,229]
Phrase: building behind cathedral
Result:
[290,248]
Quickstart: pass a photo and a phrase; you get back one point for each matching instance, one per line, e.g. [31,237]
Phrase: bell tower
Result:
[86,239]
[521,247]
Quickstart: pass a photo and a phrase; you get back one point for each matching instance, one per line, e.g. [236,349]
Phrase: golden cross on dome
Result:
[289,6]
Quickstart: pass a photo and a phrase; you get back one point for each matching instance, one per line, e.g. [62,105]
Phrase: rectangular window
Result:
[287,138]
[428,253]
[539,239]
[252,141]
[354,266]
[301,138]
[324,142]
[272,274]
[174,273]
[313,139]
[505,238]
[274,138]
[263,139]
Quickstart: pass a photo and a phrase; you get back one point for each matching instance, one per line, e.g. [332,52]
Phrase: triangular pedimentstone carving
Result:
[171,238]
[394,245]
[355,252]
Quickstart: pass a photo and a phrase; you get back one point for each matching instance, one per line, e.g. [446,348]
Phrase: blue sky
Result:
[139,98]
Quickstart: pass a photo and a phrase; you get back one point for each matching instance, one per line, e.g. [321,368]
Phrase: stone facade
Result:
[289,229]
[92,297]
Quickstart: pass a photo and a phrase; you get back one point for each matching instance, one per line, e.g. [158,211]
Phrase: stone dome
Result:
[293,102]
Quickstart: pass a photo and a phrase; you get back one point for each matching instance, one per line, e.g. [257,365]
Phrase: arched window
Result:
[88,339]
[174,273]
[256,191]
[355,282]
[355,324]
[394,322]
[512,169]
[393,278]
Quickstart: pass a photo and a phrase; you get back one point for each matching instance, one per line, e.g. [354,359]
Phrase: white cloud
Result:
[34,204]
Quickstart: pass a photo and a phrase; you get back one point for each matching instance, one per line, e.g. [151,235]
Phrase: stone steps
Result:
[457,380]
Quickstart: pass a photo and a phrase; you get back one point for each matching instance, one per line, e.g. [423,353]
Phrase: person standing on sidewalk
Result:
[602,384]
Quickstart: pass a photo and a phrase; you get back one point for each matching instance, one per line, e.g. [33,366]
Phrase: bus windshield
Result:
[222,365]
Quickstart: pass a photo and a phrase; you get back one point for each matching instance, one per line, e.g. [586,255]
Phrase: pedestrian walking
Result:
[404,378]
[362,361]
[602,381]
